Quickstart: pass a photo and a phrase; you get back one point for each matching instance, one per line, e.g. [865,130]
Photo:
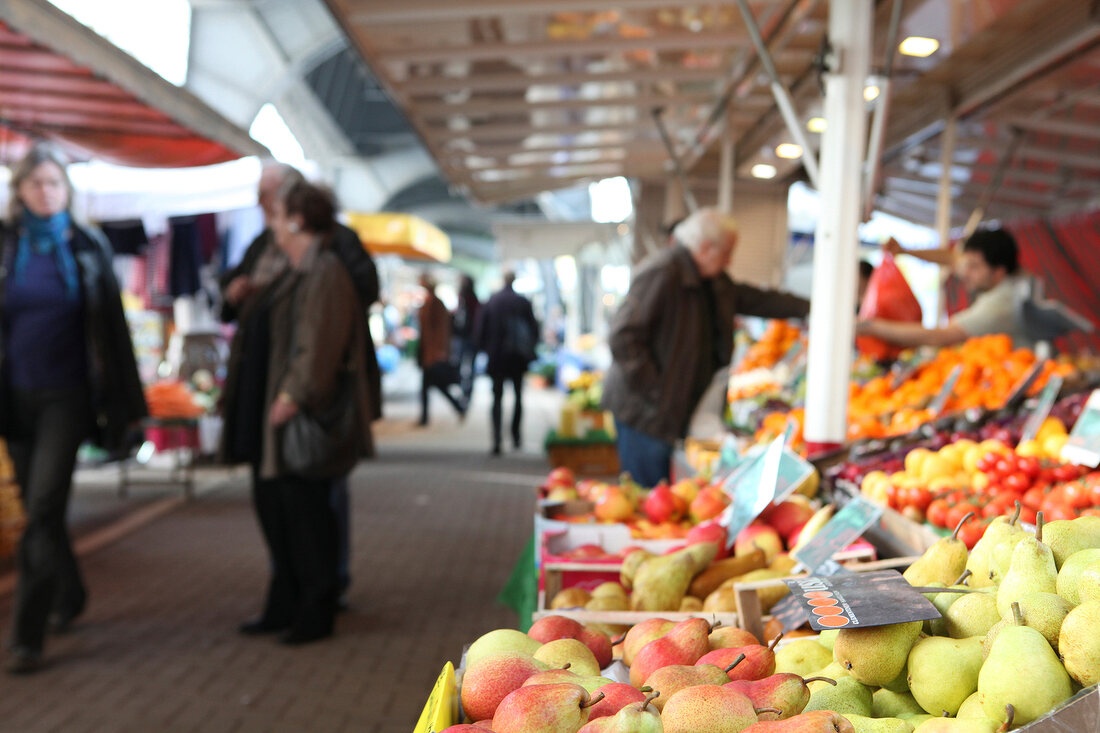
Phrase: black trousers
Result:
[299,527]
[516,379]
[441,376]
[48,427]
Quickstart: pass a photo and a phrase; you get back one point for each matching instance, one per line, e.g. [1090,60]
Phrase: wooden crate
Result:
[585,459]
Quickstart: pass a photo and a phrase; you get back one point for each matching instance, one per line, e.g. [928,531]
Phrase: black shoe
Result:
[259,626]
[24,661]
[495,451]
[61,623]
[296,637]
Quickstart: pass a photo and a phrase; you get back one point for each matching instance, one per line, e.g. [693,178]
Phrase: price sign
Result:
[940,401]
[1083,445]
[843,529]
[1019,392]
[860,600]
[1042,410]
[751,489]
[438,713]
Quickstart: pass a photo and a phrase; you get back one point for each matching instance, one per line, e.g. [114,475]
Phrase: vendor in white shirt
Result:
[989,267]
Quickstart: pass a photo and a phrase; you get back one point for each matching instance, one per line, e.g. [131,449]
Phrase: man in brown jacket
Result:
[435,350]
[672,333]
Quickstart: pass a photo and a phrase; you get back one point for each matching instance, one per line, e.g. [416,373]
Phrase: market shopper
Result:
[989,268]
[261,263]
[299,348]
[672,333]
[508,333]
[465,326]
[67,374]
[437,369]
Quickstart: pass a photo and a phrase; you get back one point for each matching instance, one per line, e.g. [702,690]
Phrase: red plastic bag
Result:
[890,298]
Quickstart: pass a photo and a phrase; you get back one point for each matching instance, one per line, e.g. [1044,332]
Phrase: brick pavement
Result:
[437,529]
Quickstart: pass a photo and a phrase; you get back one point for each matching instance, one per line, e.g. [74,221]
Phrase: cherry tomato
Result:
[1077,495]
[937,512]
[1091,512]
[992,509]
[918,497]
[1064,473]
[1030,467]
[1094,493]
[957,512]
[1028,514]
[1017,482]
[1059,511]
[986,463]
[972,531]
[1033,498]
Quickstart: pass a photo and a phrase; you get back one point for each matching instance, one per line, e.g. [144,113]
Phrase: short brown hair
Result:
[42,152]
[316,205]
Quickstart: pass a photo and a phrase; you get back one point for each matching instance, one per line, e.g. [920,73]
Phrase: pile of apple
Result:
[1016,641]
[664,512]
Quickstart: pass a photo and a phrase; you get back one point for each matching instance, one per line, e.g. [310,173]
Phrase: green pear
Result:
[944,561]
[1067,537]
[971,707]
[661,582]
[972,615]
[500,641]
[980,561]
[1069,573]
[1080,643]
[1045,612]
[1088,584]
[554,676]
[937,626]
[916,720]
[876,655]
[833,671]
[1024,672]
[943,672]
[635,717]
[863,724]
[993,633]
[888,704]
[675,677]
[631,563]
[899,684]
[573,652]
[1001,556]
[847,696]
[953,725]
[610,589]
[1032,570]
[828,638]
[803,657]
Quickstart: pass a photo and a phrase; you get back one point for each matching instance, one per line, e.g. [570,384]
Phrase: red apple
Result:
[561,476]
[787,516]
[614,506]
[662,505]
[709,531]
[708,504]
[687,489]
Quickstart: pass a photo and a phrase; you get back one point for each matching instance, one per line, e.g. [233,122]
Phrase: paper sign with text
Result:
[1083,445]
[438,713]
[1042,409]
[846,526]
[751,488]
[860,599]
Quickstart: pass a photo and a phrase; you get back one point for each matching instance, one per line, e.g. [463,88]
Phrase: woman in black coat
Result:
[67,374]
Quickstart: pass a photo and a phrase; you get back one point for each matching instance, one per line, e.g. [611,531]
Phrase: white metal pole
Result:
[725,173]
[943,207]
[832,317]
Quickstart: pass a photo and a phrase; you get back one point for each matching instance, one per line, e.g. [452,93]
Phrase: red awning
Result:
[45,93]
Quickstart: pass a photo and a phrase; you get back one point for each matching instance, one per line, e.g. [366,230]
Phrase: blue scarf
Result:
[45,237]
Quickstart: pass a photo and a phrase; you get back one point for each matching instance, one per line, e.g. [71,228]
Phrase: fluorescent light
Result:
[816,124]
[870,93]
[919,46]
[790,151]
[763,170]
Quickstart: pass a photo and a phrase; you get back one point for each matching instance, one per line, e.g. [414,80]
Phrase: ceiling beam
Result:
[573,146]
[656,158]
[499,131]
[374,12]
[437,84]
[601,46]
[1028,41]
[1067,128]
[519,105]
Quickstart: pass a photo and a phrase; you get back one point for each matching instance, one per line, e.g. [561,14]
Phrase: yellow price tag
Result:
[438,713]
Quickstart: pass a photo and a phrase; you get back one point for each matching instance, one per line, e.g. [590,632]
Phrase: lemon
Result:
[973,454]
[915,459]
[935,466]
[872,481]
[1030,449]
[1053,444]
[1051,426]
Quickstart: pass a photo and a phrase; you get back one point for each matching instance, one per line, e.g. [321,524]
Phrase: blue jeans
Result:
[647,459]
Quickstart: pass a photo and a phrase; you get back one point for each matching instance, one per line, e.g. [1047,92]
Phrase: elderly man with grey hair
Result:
[672,333]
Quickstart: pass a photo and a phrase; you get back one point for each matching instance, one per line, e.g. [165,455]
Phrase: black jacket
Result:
[507,332]
[345,244]
[118,401]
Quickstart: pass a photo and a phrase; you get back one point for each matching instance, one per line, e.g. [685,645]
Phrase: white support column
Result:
[943,207]
[726,173]
[832,317]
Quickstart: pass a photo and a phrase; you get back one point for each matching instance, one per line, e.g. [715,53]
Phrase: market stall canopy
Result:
[61,81]
[404,235]
[513,97]
[544,240]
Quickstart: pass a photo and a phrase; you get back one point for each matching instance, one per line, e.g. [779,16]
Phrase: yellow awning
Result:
[403,235]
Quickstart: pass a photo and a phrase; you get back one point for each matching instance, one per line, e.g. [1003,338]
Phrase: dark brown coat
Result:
[312,304]
[656,335]
[435,331]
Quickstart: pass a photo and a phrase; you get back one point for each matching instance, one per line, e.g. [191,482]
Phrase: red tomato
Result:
[957,512]
[918,497]
[1030,466]
[986,463]
[937,512]
[1065,473]
[1005,466]
[1091,512]
[1033,497]
[1017,482]
[992,509]
[972,531]
[1059,511]
[1028,514]
[1094,493]
[1077,495]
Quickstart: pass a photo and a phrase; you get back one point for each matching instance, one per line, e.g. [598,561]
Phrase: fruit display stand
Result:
[12,517]
[594,454]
